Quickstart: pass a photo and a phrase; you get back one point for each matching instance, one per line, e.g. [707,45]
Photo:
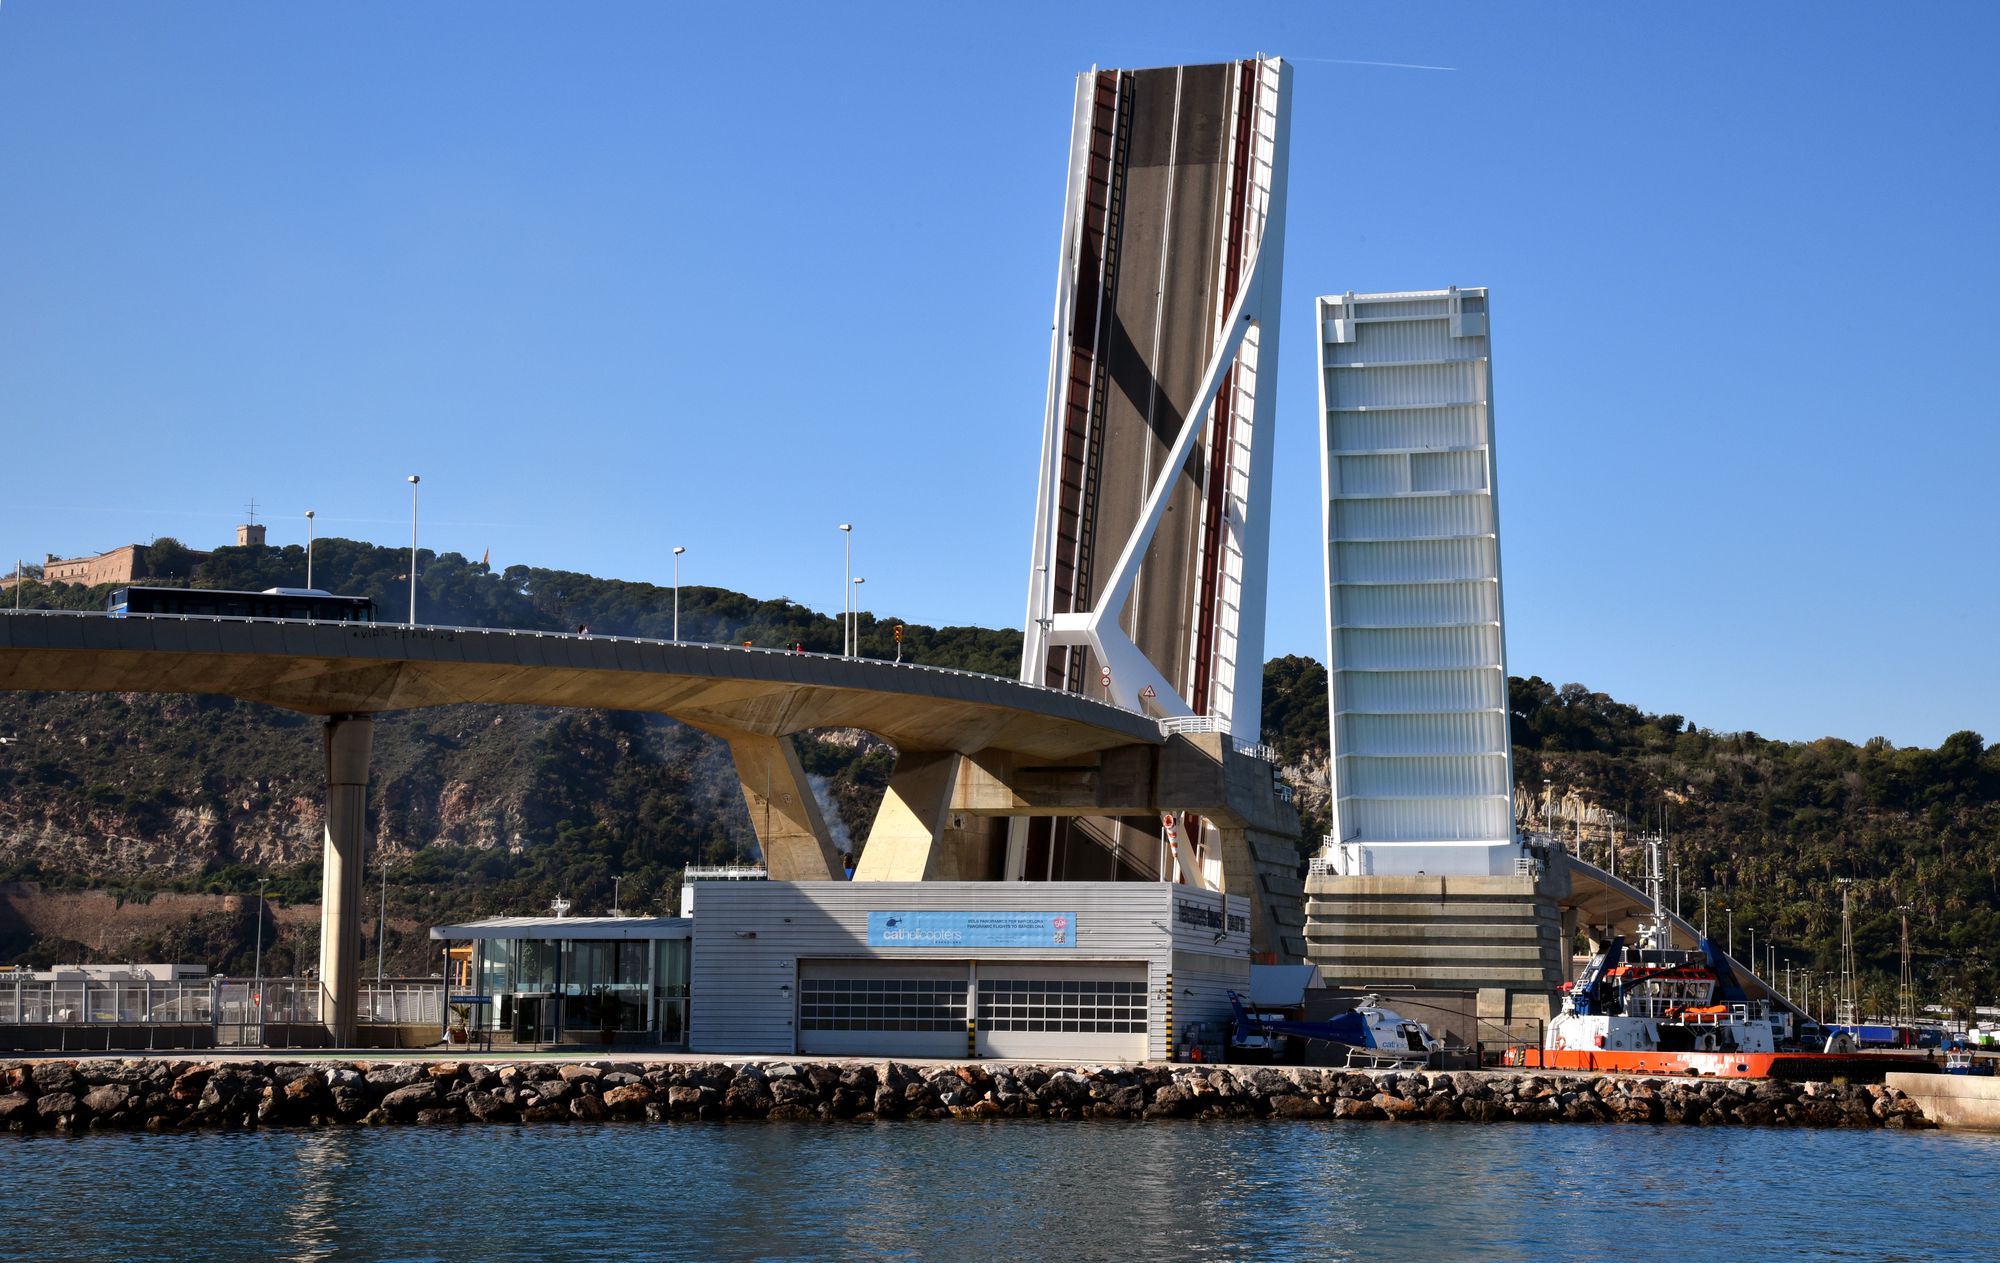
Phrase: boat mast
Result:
[1656,934]
[1847,1011]
[1906,989]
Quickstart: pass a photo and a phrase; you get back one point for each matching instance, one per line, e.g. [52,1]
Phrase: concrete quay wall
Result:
[1953,1100]
[176,1095]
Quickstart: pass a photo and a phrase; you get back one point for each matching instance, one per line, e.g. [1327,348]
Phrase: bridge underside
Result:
[973,751]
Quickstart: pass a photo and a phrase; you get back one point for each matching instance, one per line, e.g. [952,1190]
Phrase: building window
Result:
[882,1004]
[1069,1006]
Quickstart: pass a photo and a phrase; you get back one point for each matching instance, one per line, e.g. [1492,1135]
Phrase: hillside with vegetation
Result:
[1769,829]
[482,810]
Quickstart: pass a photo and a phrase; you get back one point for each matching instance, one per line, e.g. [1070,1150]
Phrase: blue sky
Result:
[618,277]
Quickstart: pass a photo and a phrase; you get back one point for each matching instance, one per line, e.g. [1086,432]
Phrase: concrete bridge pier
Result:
[911,839]
[1261,865]
[350,739]
[791,829]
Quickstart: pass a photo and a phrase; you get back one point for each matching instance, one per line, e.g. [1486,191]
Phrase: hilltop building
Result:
[124,564]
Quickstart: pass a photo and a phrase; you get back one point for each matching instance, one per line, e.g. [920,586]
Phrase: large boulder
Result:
[1296,1105]
[54,1105]
[57,1076]
[399,1074]
[404,1102]
[630,1098]
[108,1099]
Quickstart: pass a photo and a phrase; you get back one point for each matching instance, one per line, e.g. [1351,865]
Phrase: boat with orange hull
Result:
[1653,1008]
[1657,1009]
[1820,1066]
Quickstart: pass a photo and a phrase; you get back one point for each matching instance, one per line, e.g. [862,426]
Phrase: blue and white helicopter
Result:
[1369,1035]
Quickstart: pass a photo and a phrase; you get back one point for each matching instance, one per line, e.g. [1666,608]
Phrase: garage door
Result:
[1070,1012]
[882,1009]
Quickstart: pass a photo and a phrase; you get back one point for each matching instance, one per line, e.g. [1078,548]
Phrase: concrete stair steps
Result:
[1408,932]
[1410,910]
[1415,954]
[1478,977]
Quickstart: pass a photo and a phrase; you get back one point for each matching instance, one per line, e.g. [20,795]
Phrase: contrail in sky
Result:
[1394,65]
[211,513]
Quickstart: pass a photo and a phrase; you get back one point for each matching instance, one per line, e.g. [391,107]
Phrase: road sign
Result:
[1104,674]
[1148,693]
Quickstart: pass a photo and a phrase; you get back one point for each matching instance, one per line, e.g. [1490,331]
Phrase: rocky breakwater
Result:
[164,1095]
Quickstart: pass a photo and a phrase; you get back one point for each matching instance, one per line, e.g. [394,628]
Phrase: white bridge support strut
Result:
[1131,671]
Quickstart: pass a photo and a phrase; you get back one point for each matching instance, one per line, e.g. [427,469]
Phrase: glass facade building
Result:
[565,980]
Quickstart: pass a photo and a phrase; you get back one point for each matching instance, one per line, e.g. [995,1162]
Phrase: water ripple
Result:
[1009,1191]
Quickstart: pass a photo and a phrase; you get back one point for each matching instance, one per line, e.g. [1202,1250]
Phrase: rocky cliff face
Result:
[475,810]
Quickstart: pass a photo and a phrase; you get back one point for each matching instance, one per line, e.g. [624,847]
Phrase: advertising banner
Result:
[972,929]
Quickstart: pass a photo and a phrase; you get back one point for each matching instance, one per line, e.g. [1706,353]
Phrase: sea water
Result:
[1008,1191]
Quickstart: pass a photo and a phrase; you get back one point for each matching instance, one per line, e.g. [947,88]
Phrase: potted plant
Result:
[460,1029]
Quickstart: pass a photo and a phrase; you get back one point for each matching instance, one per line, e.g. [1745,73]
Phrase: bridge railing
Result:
[401,1004]
[207,1001]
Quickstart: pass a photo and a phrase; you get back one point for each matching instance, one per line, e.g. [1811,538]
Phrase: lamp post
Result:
[677,592]
[1729,922]
[257,970]
[381,929]
[616,911]
[855,618]
[309,547]
[414,480]
[846,587]
[1753,949]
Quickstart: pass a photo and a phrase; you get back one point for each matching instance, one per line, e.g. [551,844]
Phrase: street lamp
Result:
[1729,922]
[677,593]
[309,548]
[616,911]
[847,589]
[257,970]
[856,618]
[414,480]
[381,929]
